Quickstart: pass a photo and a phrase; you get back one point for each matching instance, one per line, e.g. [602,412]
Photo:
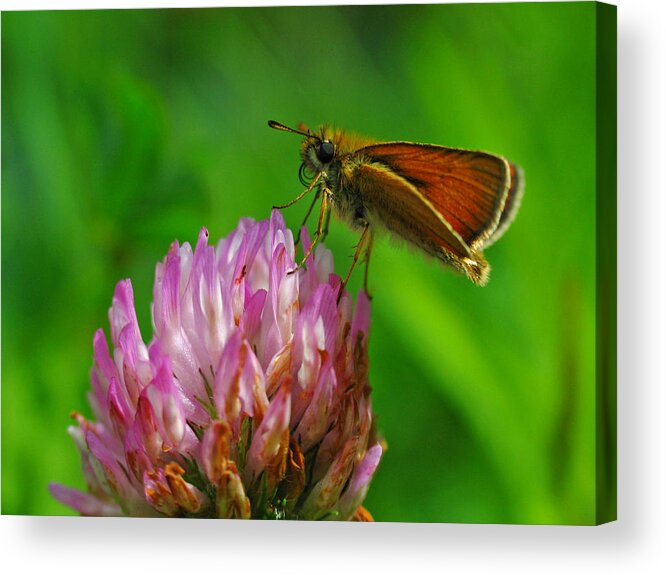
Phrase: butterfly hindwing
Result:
[403,210]
[511,205]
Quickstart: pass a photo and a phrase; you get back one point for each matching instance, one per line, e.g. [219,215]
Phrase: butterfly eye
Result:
[325,152]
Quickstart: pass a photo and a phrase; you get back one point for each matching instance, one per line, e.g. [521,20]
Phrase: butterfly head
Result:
[318,152]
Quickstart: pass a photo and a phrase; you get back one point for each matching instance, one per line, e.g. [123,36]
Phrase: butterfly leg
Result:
[324,233]
[366,235]
[305,219]
[368,251]
[317,235]
[301,195]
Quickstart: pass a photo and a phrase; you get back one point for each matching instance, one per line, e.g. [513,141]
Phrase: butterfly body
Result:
[448,202]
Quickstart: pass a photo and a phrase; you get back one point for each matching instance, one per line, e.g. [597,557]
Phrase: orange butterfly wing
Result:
[397,205]
[511,205]
[468,189]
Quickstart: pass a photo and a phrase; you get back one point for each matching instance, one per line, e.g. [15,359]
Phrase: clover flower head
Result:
[252,399]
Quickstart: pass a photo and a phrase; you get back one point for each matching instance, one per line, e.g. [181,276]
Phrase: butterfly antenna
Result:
[277,126]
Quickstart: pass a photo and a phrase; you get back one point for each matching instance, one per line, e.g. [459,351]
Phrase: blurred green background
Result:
[124,130]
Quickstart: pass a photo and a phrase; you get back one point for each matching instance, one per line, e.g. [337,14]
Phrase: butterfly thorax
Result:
[337,173]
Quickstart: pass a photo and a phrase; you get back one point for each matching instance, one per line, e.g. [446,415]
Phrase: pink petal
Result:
[118,408]
[283,291]
[232,503]
[122,313]
[267,440]
[212,318]
[306,362]
[173,341]
[325,493]
[280,234]
[167,491]
[166,307]
[168,408]
[144,433]
[227,248]
[251,320]
[239,282]
[166,405]
[315,421]
[107,468]
[318,267]
[103,361]
[239,383]
[133,360]
[135,451]
[84,503]
[360,482]
[215,449]
[325,308]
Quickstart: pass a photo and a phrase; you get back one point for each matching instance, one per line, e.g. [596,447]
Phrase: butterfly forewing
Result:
[468,189]
[401,209]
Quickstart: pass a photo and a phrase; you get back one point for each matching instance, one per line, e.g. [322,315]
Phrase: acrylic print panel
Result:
[224,385]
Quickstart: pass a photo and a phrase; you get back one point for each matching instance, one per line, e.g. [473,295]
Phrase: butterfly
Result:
[448,202]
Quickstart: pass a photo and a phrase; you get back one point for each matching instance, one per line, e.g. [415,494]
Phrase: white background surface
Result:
[636,543]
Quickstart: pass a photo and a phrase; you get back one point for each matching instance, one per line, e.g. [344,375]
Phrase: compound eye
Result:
[325,152]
